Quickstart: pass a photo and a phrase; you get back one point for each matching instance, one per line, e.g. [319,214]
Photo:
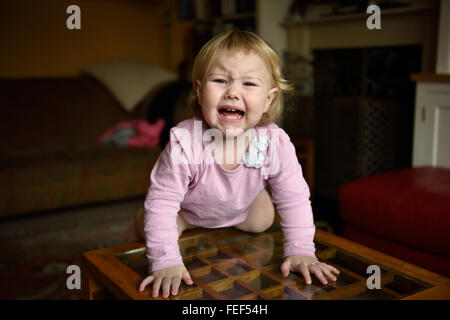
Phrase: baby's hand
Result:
[304,265]
[169,278]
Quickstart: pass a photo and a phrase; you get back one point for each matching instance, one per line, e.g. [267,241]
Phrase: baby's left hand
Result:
[304,265]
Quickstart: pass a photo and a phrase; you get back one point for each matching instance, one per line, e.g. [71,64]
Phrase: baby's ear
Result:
[198,90]
[270,96]
[198,87]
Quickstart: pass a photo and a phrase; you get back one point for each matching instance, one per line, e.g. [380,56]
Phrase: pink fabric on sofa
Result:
[147,135]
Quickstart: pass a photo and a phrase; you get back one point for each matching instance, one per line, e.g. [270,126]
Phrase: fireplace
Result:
[361,114]
[364,112]
[354,95]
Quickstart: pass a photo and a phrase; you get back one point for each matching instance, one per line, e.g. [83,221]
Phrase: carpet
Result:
[36,249]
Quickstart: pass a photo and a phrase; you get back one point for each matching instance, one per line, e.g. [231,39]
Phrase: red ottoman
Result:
[404,213]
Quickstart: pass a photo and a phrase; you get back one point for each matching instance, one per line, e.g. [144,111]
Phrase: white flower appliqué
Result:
[254,158]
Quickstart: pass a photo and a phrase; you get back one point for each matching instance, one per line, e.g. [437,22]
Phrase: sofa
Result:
[50,156]
[404,213]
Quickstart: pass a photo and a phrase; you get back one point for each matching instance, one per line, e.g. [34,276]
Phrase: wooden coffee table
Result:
[230,264]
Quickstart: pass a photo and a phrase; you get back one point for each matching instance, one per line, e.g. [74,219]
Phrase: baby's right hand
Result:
[169,278]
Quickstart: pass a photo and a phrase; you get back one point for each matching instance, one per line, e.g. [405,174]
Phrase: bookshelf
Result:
[211,17]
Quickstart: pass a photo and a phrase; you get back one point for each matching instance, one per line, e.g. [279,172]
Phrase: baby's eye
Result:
[222,81]
[249,84]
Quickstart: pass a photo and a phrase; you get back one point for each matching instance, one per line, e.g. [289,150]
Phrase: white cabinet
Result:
[431,146]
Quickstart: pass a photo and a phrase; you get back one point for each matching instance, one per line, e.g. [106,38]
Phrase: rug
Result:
[36,249]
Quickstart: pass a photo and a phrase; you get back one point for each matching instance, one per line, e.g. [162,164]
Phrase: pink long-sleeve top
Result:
[184,177]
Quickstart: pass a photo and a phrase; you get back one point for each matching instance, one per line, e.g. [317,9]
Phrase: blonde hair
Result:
[238,40]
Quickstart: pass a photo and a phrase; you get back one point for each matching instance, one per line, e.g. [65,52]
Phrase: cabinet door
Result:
[432,125]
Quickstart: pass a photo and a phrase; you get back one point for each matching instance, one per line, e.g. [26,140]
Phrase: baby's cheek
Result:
[256,114]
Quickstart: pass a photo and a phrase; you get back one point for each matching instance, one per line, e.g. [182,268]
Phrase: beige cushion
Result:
[130,79]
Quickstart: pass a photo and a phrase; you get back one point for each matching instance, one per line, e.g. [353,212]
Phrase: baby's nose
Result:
[232,93]
[232,97]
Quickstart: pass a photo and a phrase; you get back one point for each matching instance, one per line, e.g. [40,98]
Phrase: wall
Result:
[443,55]
[270,14]
[36,41]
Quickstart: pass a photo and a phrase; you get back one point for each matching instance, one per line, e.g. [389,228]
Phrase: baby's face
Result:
[235,92]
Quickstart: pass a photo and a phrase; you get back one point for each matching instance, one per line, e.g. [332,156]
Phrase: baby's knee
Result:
[268,221]
[262,223]
[261,227]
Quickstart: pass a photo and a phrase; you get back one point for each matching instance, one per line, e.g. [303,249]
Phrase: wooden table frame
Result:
[105,276]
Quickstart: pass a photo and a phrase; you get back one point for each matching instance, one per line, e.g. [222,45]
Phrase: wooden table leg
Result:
[91,288]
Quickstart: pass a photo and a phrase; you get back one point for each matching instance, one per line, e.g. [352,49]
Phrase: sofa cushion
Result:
[49,179]
[129,79]
[410,207]
[55,113]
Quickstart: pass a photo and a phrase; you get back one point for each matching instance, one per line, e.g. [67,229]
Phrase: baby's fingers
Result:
[187,277]
[303,269]
[156,286]
[327,269]
[175,285]
[145,283]
[317,270]
[333,269]
[285,267]
[166,283]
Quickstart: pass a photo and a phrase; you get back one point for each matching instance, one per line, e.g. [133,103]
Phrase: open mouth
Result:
[227,113]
